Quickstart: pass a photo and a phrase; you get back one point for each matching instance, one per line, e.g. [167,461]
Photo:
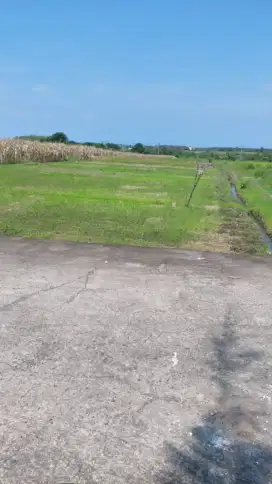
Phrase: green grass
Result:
[237,226]
[110,202]
[134,200]
[254,181]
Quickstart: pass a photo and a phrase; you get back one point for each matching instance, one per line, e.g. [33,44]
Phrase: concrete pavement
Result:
[130,365]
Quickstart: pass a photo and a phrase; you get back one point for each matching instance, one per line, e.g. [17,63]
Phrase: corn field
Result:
[19,151]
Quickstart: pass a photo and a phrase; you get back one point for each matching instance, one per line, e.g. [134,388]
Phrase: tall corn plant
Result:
[20,151]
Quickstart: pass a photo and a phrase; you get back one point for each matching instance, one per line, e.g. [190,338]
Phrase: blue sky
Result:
[189,72]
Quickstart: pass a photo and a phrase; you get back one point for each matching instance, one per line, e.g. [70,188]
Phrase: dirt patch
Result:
[24,187]
[163,195]
[143,195]
[191,177]
[80,172]
[140,165]
[211,207]
[210,241]
[242,231]
[21,206]
[35,197]
[132,187]
[13,206]
[72,172]
[154,220]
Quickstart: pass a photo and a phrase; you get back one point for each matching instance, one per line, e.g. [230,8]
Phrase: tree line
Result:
[60,137]
[178,151]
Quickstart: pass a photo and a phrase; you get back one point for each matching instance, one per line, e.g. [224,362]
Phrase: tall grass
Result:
[256,187]
[19,151]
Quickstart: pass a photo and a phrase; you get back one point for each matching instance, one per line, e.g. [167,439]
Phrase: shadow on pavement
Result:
[226,448]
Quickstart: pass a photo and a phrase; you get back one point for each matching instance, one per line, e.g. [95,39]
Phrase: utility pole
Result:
[199,174]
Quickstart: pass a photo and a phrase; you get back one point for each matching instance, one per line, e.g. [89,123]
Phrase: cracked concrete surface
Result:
[111,356]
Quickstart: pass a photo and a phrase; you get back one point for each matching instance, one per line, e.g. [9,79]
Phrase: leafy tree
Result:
[33,137]
[113,146]
[58,137]
[138,148]
[230,156]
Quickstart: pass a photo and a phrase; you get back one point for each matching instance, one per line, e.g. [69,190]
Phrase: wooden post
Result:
[199,175]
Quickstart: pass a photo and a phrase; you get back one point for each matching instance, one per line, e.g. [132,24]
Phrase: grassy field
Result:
[126,200]
[134,201]
[254,181]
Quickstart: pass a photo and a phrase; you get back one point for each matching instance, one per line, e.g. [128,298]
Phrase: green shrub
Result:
[250,166]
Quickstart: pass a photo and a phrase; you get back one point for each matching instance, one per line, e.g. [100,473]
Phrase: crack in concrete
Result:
[25,297]
[80,291]
[28,296]
[8,364]
[151,397]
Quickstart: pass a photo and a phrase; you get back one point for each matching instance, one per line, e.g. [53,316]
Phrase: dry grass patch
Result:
[211,242]
[212,207]
[154,220]
[162,195]
[132,187]
[49,169]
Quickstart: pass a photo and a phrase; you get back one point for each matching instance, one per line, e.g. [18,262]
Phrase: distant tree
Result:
[113,146]
[165,150]
[138,148]
[96,145]
[230,156]
[58,137]
[33,137]
[211,155]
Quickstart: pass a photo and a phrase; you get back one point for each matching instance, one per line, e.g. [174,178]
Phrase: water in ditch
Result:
[267,240]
